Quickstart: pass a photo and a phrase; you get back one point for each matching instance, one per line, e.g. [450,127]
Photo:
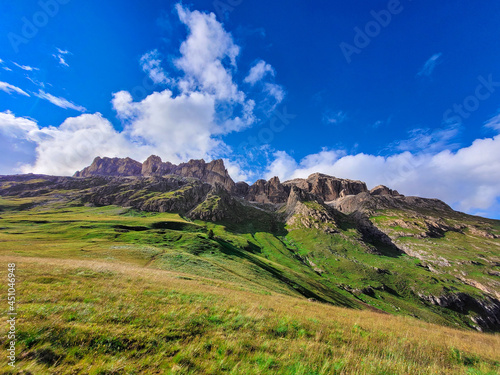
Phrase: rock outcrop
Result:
[305,210]
[271,191]
[154,166]
[111,167]
[368,202]
[486,312]
[384,190]
[327,187]
[213,172]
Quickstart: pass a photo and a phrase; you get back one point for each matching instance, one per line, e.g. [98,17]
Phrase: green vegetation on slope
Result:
[132,292]
[87,317]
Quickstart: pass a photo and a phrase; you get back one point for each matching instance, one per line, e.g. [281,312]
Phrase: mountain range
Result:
[328,239]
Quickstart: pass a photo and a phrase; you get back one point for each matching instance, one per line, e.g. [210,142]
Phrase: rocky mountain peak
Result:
[213,172]
[154,166]
[111,167]
[271,191]
[327,187]
[384,190]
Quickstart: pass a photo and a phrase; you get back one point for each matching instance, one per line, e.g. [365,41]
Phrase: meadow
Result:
[109,290]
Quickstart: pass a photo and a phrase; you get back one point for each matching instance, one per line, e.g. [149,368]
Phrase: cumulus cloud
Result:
[237,171]
[9,89]
[151,65]
[181,126]
[16,127]
[187,120]
[468,179]
[71,146]
[203,56]
[258,72]
[430,65]
[59,101]
[275,91]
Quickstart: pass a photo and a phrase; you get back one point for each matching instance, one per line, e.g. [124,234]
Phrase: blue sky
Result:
[402,93]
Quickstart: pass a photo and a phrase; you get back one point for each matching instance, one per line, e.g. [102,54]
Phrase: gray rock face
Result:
[111,167]
[487,310]
[241,189]
[271,191]
[328,188]
[213,172]
[153,166]
[384,190]
[306,210]
[367,202]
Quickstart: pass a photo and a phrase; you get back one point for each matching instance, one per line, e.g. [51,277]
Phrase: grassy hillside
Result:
[111,290]
[101,317]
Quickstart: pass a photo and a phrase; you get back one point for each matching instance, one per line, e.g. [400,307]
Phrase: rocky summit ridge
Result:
[212,172]
[325,187]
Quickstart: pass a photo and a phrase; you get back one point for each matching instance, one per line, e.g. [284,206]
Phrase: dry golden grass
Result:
[95,317]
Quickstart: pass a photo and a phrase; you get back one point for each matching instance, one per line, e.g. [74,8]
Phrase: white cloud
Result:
[258,72]
[468,179]
[123,105]
[334,117]
[493,123]
[275,91]
[9,89]
[59,101]
[151,64]
[7,68]
[181,126]
[208,103]
[430,65]
[75,143]
[16,127]
[429,140]
[59,56]
[35,82]
[60,60]
[182,122]
[25,67]
[237,171]
[71,146]
[204,54]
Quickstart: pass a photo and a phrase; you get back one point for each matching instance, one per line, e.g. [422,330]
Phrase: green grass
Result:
[337,268]
[85,317]
[124,291]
